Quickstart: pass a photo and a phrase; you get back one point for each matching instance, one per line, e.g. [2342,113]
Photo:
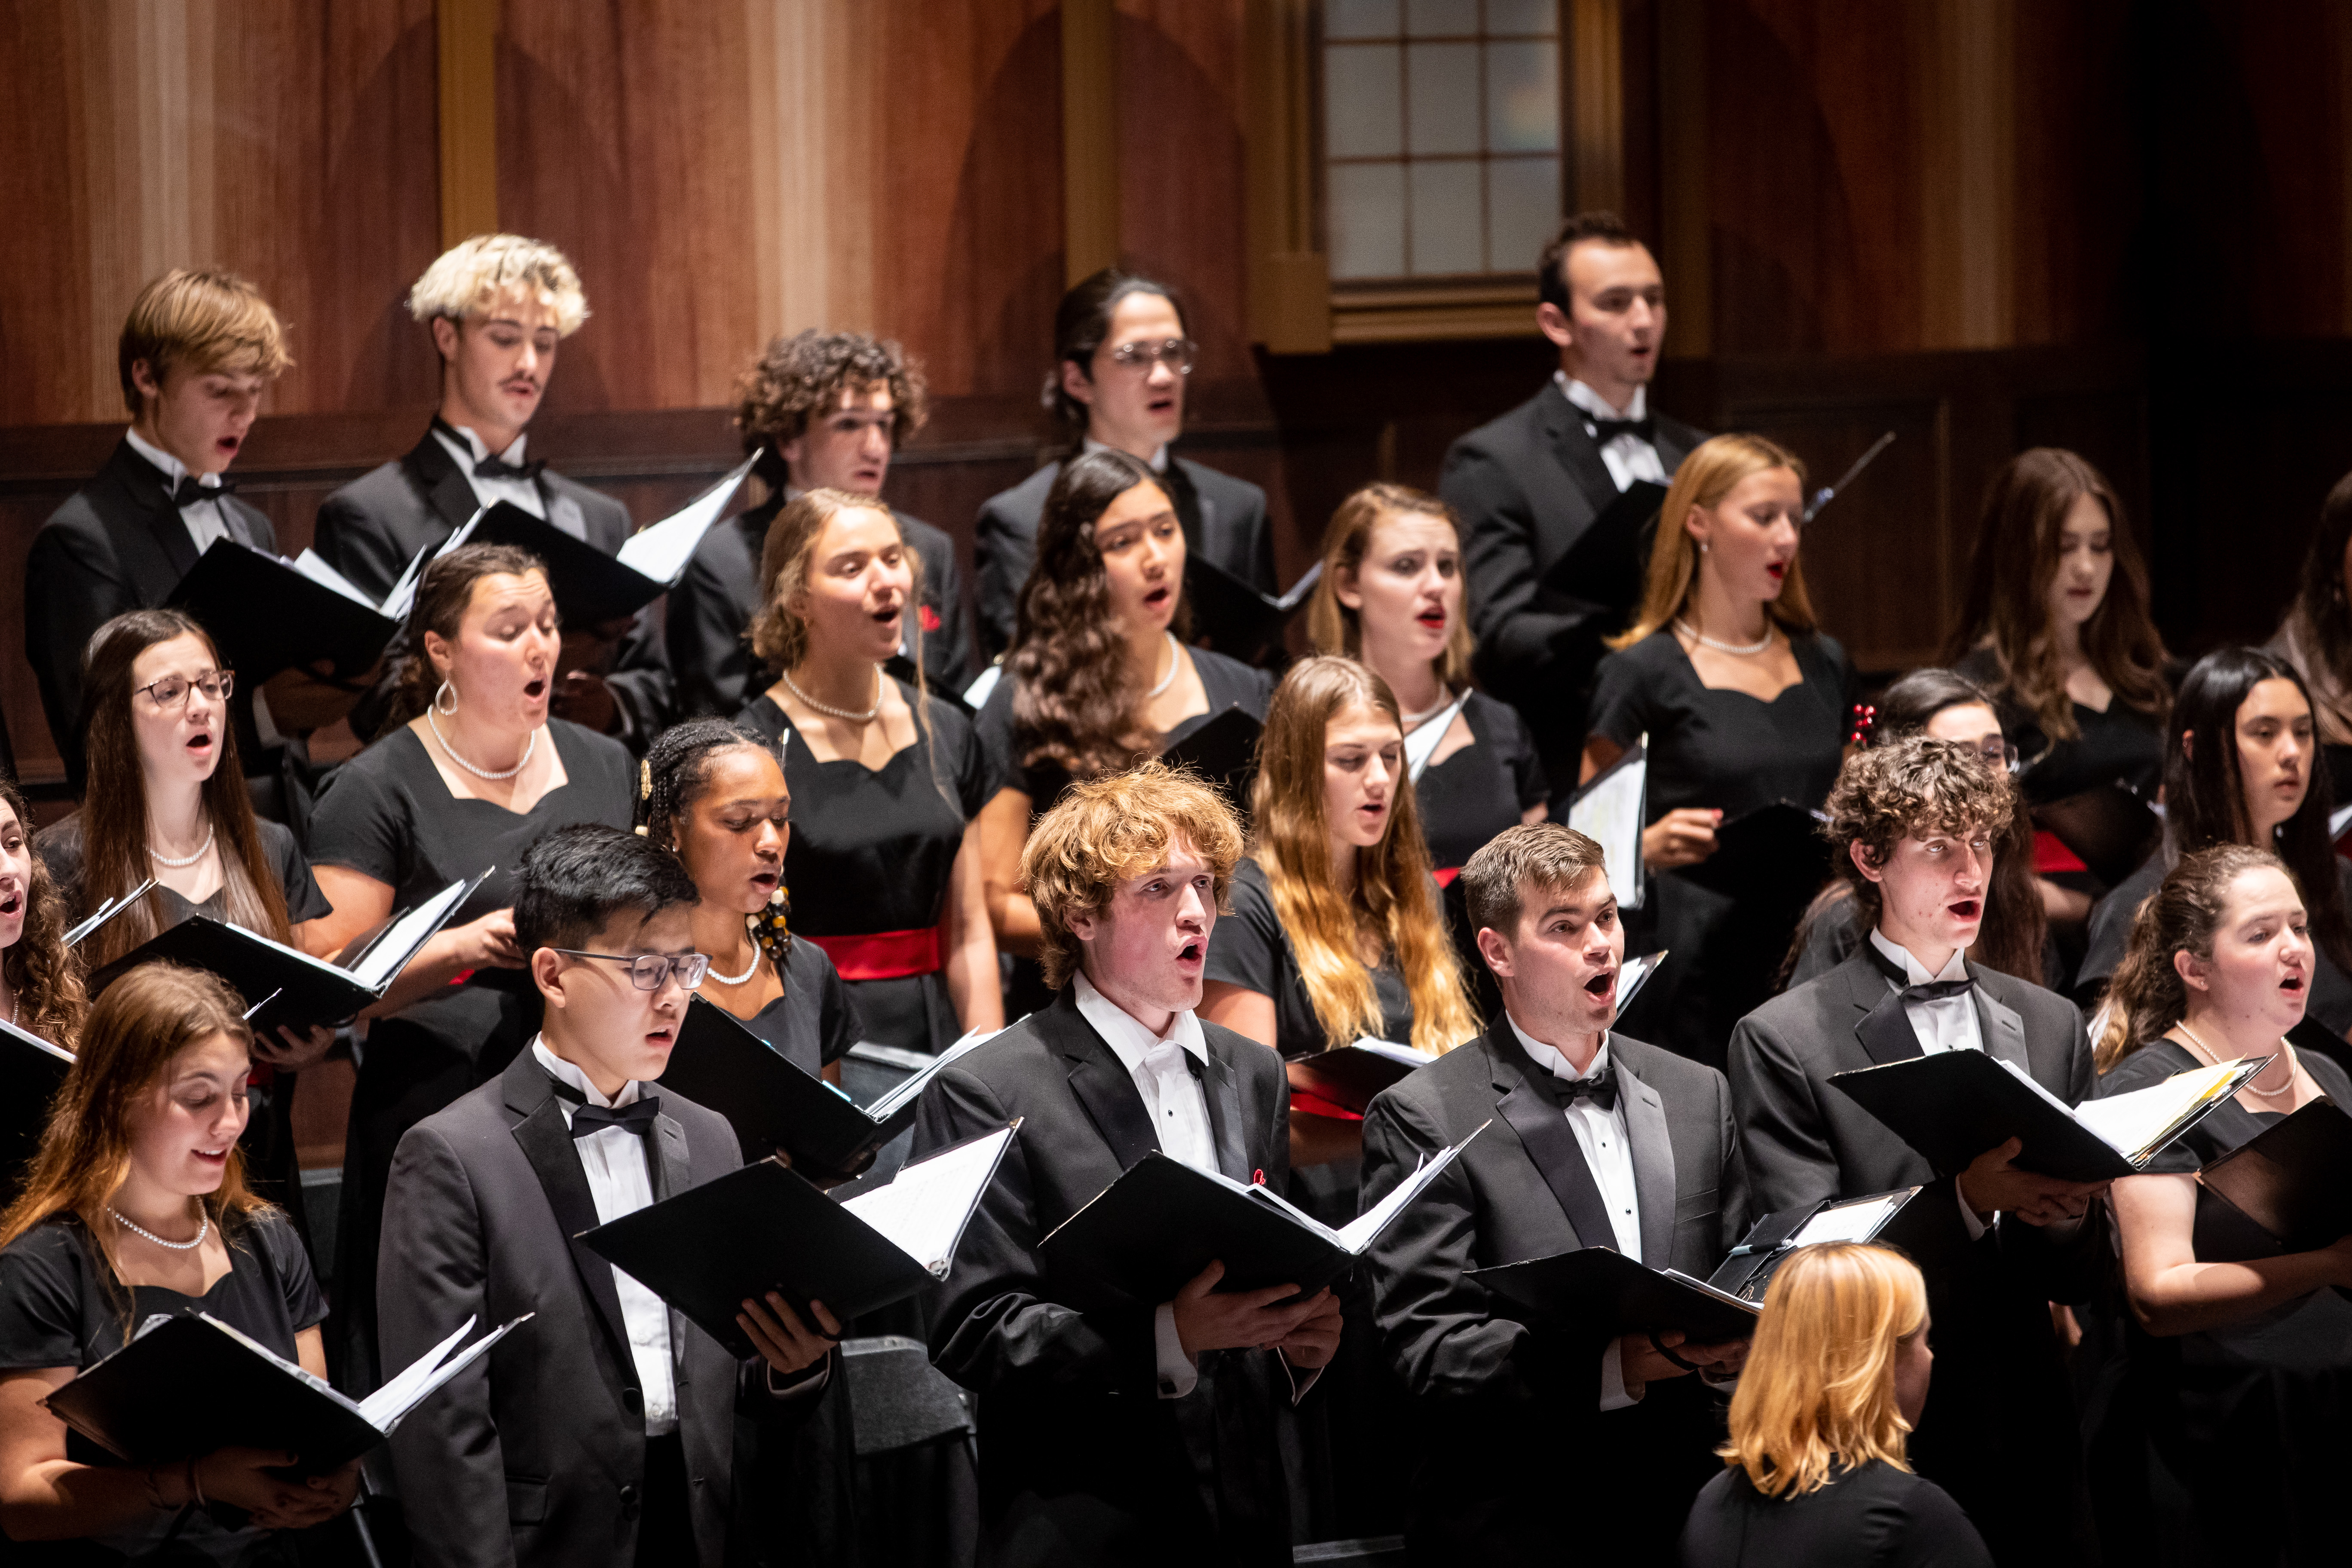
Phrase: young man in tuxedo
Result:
[1590,1140]
[1913,827]
[599,1431]
[498,307]
[196,352]
[1113,1433]
[1528,485]
[1121,358]
[826,411]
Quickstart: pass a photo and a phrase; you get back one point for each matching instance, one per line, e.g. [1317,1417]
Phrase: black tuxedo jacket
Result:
[712,607]
[1080,1460]
[1224,519]
[539,1457]
[2000,1428]
[1512,1412]
[1526,486]
[372,528]
[117,544]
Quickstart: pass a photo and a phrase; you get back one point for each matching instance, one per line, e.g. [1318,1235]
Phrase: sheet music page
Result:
[396,603]
[975,696]
[924,1208]
[310,565]
[1358,1233]
[1856,1221]
[31,1038]
[2128,1124]
[398,1389]
[384,1413]
[108,910]
[399,942]
[1611,816]
[661,550]
[889,1105]
[1404,1055]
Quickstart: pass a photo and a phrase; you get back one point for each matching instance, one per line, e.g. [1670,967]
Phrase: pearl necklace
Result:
[2206,1051]
[738,979]
[528,747]
[851,714]
[1416,720]
[202,1231]
[1742,649]
[1175,663]
[202,850]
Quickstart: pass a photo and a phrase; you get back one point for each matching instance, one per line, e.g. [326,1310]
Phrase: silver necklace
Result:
[1175,663]
[853,715]
[202,850]
[202,1231]
[528,747]
[1742,649]
[2210,1060]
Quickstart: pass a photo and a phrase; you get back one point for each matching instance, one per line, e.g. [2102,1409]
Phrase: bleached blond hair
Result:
[469,279]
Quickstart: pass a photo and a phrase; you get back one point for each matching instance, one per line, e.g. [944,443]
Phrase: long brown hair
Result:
[1705,477]
[778,637]
[2318,629]
[1332,625]
[2148,995]
[2019,532]
[1075,703]
[1391,899]
[42,973]
[442,596]
[145,1020]
[114,808]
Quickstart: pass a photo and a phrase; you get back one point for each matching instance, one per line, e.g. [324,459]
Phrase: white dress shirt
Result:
[614,1161]
[471,450]
[1628,456]
[1601,1135]
[204,520]
[1159,458]
[1945,1025]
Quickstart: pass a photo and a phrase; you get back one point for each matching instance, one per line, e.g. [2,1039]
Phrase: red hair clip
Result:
[1865,720]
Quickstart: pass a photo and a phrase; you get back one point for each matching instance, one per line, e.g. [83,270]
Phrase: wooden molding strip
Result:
[1090,239]
[466,82]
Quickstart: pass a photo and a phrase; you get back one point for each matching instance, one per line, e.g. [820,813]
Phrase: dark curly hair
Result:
[42,972]
[1082,325]
[442,595]
[802,378]
[1074,702]
[675,772]
[1888,792]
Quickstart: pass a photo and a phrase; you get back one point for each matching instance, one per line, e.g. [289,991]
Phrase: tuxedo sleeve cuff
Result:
[1177,1373]
[1613,1392]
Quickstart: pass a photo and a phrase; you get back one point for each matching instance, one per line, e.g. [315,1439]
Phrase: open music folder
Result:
[2293,1178]
[267,613]
[189,1383]
[1954,1105]
[1235,618]
[2109,828]
[766,1227]
[1605,563]
[1747,1269]
[1162,1222]
[1611,811]
[1600,1290]
[32,1069]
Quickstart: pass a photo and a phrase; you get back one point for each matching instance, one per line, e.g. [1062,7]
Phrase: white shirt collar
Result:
[1126,1035]
[1593,403]
[565,1072]
[469,449]
[173,469]
[1913,972]
[1554,1060]
[1159,458]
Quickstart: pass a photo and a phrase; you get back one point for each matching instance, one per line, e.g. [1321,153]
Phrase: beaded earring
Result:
[771,927]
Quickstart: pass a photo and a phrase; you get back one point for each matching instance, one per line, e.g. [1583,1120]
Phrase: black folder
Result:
[1747,1271]
[766,1227]
[265,617]
[774,1105]
[1773,849]
[2293,1178]
[1223,750]
[33,1069]
[1607,563]
[1954,1105]
[2337,761]
[1235,618]
[2109,828]
[1349,1075]
[188,1384]
[589,585]
[1600,1290]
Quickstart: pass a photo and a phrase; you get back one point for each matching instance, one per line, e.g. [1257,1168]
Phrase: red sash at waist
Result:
[882,954]
[2052,858]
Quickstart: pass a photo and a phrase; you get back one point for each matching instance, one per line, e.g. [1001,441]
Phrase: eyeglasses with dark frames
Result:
[172,690]
[651,970]
[1176,353]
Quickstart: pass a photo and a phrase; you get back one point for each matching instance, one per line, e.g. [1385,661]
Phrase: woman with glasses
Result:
[167,803]
[468,772]
[2015,935]
[1744,703]
[1121,357]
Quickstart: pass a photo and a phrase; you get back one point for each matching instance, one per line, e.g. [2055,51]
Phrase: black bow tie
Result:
[637,1119]
[499,468]
[1607,430]
[1600,1088]
[1937,990]
[188,492]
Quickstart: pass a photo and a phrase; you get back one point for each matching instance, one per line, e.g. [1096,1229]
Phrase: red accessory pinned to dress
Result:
[1866,721]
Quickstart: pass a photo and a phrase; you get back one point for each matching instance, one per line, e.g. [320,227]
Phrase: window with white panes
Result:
[1441,137]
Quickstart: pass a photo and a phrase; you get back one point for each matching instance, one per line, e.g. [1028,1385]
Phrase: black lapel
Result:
[666,1161]
[1221,1085]
[1187,499]
[1102,1085]
[546,1142]
[1885,1032]
[1564,427]
[142,487]
[442,483]
[1651,1146]
[1533,1109]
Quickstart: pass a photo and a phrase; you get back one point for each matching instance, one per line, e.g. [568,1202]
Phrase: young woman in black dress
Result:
[137,1205]
[2241,1356]
[1745,704]
[469,771]
[167,800]
[2259,783]
[1099,674]
[884,866]
[1836,1381]
[1391,595]
[40,978]
[2056,626]
[2014,937]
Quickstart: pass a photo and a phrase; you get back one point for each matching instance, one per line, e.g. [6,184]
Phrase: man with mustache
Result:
[498,306]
